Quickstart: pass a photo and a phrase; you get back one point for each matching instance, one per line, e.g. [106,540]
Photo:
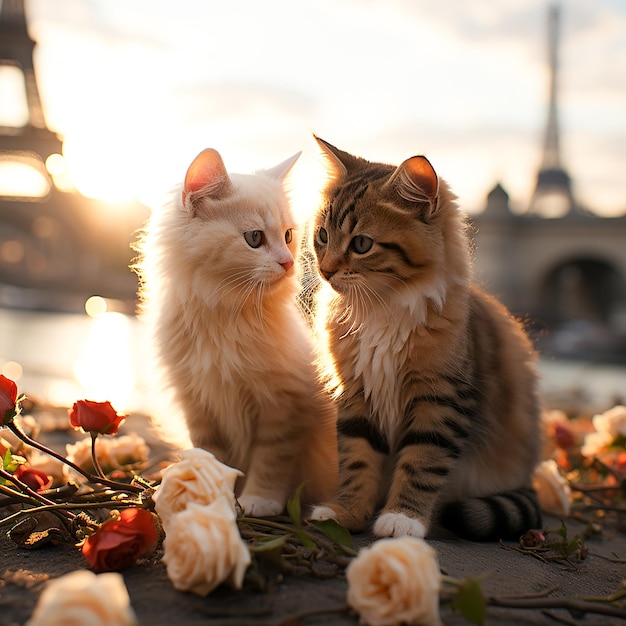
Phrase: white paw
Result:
[321,513]
[398,525]
[254,506]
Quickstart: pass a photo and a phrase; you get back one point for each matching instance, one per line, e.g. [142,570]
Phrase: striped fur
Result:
[438,410]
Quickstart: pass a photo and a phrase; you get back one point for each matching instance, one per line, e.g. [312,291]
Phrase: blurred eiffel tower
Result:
[553,196]
[56,246]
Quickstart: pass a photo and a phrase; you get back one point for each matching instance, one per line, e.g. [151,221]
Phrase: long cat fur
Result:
[438,406]
[229,336]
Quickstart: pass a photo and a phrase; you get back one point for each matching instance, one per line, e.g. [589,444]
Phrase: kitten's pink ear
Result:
[278,172]
[207,170]
[416,181]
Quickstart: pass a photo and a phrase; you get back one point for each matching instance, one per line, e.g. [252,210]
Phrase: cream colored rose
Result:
[49,465]
[83,597]
[596,443]
[112,452]
[611,422]
[203,547]
[395,581]
[198,477]
[552,488]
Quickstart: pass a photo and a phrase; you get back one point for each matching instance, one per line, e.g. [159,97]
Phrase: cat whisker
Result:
[249,288]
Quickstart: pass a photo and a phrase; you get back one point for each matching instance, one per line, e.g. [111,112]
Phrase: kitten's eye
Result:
[322,235]
[362,244]
[254,238]
[289,235]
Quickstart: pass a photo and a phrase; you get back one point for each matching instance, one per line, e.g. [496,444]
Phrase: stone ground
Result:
[303,600]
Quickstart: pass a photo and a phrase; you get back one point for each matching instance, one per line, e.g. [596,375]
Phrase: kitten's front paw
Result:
[398,525]
[321,513]
[254,506]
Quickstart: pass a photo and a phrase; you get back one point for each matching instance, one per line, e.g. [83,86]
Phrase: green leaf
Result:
[334,531]
[470,602]
[11,461]
[572,546]
[305,539]
[269,545]
[294,507]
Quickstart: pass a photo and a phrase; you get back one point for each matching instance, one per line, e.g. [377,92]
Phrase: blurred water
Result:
[63,357]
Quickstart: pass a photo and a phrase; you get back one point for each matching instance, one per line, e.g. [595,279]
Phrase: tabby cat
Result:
[219,291]
[438,409]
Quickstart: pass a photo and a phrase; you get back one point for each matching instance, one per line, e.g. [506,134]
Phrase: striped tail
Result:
[501,516]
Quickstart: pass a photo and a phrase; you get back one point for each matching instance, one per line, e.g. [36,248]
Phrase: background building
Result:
[57,247]
[558,265]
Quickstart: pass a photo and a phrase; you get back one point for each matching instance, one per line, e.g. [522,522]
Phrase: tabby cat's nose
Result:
[327,274]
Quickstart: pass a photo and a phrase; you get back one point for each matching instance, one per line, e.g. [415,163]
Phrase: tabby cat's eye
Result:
[322,235]
[362,244]
[254,238]
[289,235]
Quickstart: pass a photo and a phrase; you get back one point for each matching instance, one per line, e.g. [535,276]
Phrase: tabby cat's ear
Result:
[207,170]
[278,172]
[339,163]
[415,180]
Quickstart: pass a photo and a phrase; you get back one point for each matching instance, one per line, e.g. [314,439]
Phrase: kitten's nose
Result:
[287,265]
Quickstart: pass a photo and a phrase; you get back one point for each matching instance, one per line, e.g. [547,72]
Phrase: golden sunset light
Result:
[138,88]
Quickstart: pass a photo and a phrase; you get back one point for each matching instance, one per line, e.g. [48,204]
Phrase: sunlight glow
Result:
[14,109]
[57,168]
[104,367]
[12,370]
[96,173]
[96,306]
[21,178]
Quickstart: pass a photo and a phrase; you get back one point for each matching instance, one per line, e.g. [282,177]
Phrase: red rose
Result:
[8,399]
[564,436]
[34,478]
[119,542]
[95,417]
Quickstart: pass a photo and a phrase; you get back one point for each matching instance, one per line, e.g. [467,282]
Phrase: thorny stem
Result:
[15,495]
[574,606]
[593,488]
[81,506]
[90,477]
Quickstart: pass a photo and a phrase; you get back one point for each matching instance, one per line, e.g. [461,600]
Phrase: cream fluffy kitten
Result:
[219,290]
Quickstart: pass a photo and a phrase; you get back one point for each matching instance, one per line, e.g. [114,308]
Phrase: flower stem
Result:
[94,458]
[67,506]
[25,489]
[90,477]
[14,495]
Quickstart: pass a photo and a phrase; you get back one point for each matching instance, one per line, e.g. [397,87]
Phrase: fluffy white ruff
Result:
[321,513]
[398,525]
[254,506]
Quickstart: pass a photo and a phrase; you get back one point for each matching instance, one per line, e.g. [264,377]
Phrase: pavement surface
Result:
[598,569]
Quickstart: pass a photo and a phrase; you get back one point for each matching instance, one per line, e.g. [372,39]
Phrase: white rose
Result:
[83,597]
[611,422]
[552,488]
[203,548]
[198,477]
[395,581]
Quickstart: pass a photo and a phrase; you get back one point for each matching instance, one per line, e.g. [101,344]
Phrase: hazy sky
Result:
[139,87]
